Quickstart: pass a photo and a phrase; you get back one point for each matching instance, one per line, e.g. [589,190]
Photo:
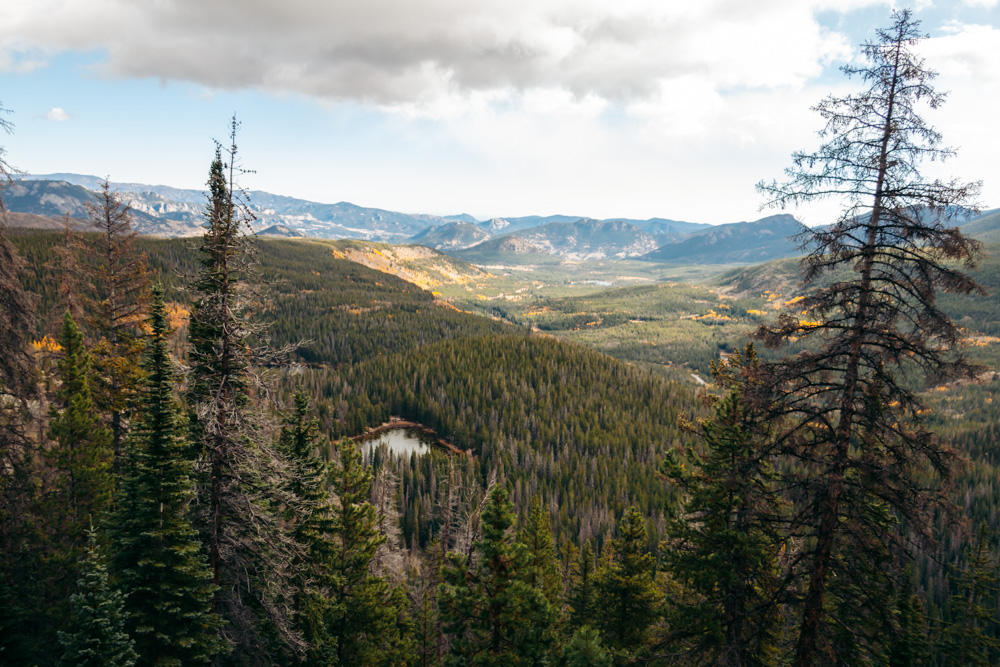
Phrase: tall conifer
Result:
[872,332]
[310,521]
[583,600]
[242,477]
[542,571]
[370,625]
[492,614]
[81,453]
[97,636]
[117,274]
[158,557]
[626,588]
[724,542]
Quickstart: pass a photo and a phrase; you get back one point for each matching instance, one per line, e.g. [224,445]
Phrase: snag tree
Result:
[872,331]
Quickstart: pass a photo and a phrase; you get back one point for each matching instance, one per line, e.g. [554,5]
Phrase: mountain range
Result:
[42,201]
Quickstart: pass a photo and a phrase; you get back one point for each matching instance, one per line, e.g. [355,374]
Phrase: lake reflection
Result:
[399,441]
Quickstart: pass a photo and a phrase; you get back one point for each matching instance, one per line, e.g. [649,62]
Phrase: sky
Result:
[599,108]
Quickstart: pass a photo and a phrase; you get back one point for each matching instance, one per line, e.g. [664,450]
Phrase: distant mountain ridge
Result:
[508,249]
[741,242]
[172,211]
[590,239]
[169,211]
[451,235]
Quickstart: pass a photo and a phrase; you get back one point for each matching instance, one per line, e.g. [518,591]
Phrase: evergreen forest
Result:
[185,477]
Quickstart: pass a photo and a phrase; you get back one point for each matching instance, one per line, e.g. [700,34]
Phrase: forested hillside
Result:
[794,465]
[578,433]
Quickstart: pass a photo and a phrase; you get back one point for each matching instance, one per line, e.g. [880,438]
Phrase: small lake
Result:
[399,441]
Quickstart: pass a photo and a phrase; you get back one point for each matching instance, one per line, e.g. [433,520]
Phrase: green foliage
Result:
[491,613]
[97,635]
[970,637]
[541,571]
[370,625]
[584,649]
[309,515]
[626,588]
[583,602]
[582,434]
[556,420]
[725,543]
[911,644]
[81,454]
[158,556]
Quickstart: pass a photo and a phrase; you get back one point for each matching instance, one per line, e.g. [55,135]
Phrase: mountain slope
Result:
[506,250]
[171,211]
[985,228]
[590,239]
[451,235]
[741,242]
[55,199]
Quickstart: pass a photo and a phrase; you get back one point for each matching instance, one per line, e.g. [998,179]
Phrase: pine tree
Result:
[626,589]
[81,454]
[242,478]
[370,626]
[158,557]
[583,601]
[871,331]
[493,616]
[75,491]
[970,637]
[910,646]
[18,380]
[724,544]
[310,521]
[584,649]
[117,273]
[98,637]
[542,571]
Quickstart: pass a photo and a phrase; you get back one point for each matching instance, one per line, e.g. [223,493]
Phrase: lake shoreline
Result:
[396,423]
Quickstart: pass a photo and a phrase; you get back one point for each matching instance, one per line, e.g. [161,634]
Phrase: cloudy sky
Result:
[604,108]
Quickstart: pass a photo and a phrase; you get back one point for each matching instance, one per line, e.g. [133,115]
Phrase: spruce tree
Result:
[242,477]
[626,587]
[18,386]
[724,541]
[542,571]
[310,521]
[370,625]
[97,636]
[75,493]
[493,616]
[117,275]
[81,453]
[970,636]
[583,602]
[910,646]
[872,334]
[158,557]
[584,649]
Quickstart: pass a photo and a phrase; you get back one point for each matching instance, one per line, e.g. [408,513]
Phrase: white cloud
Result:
[986,4]
[406,53]
[968,60]
[636,107]
[58,114]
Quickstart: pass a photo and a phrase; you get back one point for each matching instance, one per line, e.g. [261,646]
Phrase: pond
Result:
[399,441]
